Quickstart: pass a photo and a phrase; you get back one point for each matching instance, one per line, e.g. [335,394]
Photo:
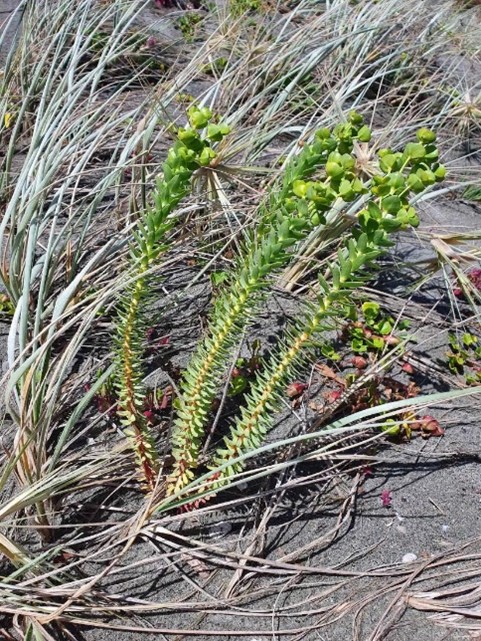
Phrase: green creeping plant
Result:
[7,308]
[464,357]
[289,214]
[240,7]
[188,24]
[375,332]
[322,175]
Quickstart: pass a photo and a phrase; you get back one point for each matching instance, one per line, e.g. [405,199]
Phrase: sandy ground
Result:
[433,516]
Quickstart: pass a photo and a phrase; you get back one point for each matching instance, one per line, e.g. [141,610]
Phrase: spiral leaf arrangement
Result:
[322,174]
[287,217]
[191,151]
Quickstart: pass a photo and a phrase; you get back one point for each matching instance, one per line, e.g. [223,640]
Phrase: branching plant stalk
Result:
[250,429]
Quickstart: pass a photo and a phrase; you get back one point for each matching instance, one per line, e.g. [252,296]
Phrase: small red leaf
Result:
[150,416]
[430,426]
[474,276]
[295,389]
[408,368]
[333,396]
[359,362]
[386,498]
[151,334]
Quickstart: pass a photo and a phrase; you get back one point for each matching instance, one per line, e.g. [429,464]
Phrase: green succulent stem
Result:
[129,379]
[255,418]
[189,153]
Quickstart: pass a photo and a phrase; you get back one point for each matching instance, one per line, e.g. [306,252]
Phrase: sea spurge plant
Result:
[288,216]
[323,174]
[191,151]
[387,211]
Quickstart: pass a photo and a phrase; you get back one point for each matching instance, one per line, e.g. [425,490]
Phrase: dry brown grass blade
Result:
[464,601]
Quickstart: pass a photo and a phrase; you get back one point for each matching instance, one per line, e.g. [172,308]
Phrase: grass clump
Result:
[472,193]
